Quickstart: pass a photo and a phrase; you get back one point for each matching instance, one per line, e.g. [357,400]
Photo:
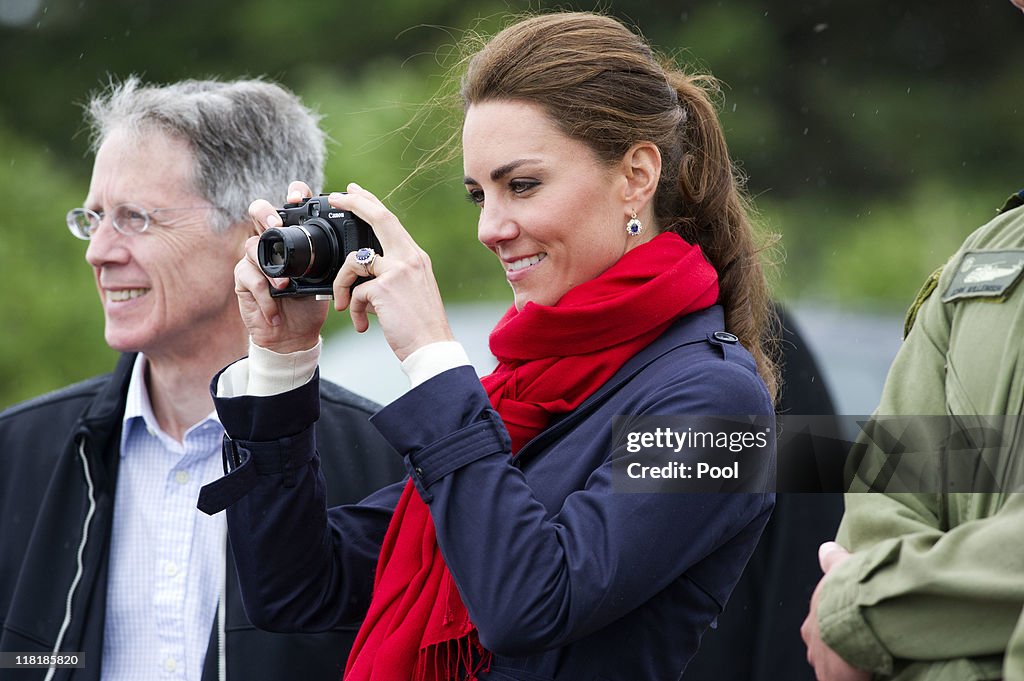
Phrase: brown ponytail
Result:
[702,200]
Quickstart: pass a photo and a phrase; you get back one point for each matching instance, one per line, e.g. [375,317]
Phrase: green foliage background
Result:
[875,135]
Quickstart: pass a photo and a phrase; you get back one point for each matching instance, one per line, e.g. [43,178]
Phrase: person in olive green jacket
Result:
[925,583]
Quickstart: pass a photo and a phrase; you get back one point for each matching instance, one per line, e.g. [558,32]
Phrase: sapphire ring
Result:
[365,257]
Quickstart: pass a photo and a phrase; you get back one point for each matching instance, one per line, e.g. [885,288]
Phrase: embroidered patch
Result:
[985,274]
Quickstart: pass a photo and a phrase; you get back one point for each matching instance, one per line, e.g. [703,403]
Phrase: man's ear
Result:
[641,168]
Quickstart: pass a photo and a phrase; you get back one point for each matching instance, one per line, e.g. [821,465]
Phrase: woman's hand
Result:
[828,664]
[278,324]
[403,293]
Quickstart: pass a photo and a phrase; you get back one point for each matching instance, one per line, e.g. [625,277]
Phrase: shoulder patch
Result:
[985,274]
[922,295]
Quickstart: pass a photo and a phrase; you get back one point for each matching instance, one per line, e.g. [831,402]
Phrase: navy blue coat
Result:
[564,577]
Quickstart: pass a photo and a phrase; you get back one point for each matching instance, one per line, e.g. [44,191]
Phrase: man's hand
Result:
[828,665]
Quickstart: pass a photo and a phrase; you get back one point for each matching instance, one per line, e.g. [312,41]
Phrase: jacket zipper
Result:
[81,551]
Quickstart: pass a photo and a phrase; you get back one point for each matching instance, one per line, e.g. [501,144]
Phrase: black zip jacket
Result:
[58,471]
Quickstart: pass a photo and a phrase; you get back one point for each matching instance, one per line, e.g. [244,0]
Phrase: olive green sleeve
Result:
[928,594]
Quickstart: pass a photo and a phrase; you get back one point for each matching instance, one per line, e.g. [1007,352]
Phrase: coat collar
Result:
[100,424]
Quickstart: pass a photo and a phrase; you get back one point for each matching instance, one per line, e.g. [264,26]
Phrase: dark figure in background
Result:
[757,637]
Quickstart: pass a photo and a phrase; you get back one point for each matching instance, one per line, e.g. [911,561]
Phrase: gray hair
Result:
[250,138]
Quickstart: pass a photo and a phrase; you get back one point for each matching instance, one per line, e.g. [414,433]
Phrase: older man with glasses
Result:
[105,558]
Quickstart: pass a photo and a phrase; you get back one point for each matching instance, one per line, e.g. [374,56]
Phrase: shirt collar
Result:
[138,406]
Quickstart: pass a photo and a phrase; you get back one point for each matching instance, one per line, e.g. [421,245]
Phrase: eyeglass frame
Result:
[96,218]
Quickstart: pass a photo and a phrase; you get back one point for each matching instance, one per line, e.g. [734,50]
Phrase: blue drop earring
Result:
[634,227]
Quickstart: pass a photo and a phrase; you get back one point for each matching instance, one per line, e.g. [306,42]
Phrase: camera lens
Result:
[284,252]
[307,251]
[276,256]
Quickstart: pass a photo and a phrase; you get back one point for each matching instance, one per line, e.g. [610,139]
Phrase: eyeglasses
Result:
[128,218]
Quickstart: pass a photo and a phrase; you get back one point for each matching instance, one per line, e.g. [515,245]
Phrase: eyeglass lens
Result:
[127,218]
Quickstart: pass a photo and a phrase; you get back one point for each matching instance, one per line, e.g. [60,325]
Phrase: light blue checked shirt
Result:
[166,558]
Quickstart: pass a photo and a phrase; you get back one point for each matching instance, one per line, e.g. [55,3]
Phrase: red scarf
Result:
[550,359]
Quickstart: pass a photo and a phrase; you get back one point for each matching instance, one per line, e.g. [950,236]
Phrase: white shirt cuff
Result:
[265,372]
[433,359]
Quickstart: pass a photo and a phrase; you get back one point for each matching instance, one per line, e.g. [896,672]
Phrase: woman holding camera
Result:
[607,194]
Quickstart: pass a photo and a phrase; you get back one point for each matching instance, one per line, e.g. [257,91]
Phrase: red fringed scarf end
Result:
[463,659]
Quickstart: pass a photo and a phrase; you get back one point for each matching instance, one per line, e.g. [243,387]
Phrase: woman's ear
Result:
[641,168]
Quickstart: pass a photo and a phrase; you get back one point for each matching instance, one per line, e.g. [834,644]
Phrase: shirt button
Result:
[181,477]
[725,337]
[171,570]
[170,664]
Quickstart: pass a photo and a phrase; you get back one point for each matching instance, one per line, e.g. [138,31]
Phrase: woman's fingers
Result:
[392,235]
[263,215]
[348,274]
[401,293]
[253,291]
[359,309]
[251,250]
[298,190]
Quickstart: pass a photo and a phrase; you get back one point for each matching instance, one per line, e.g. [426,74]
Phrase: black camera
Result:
[311,245]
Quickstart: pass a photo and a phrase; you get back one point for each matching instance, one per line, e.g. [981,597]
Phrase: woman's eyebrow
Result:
[502,171]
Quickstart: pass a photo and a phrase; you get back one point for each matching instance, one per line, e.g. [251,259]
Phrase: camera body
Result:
[311,245]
